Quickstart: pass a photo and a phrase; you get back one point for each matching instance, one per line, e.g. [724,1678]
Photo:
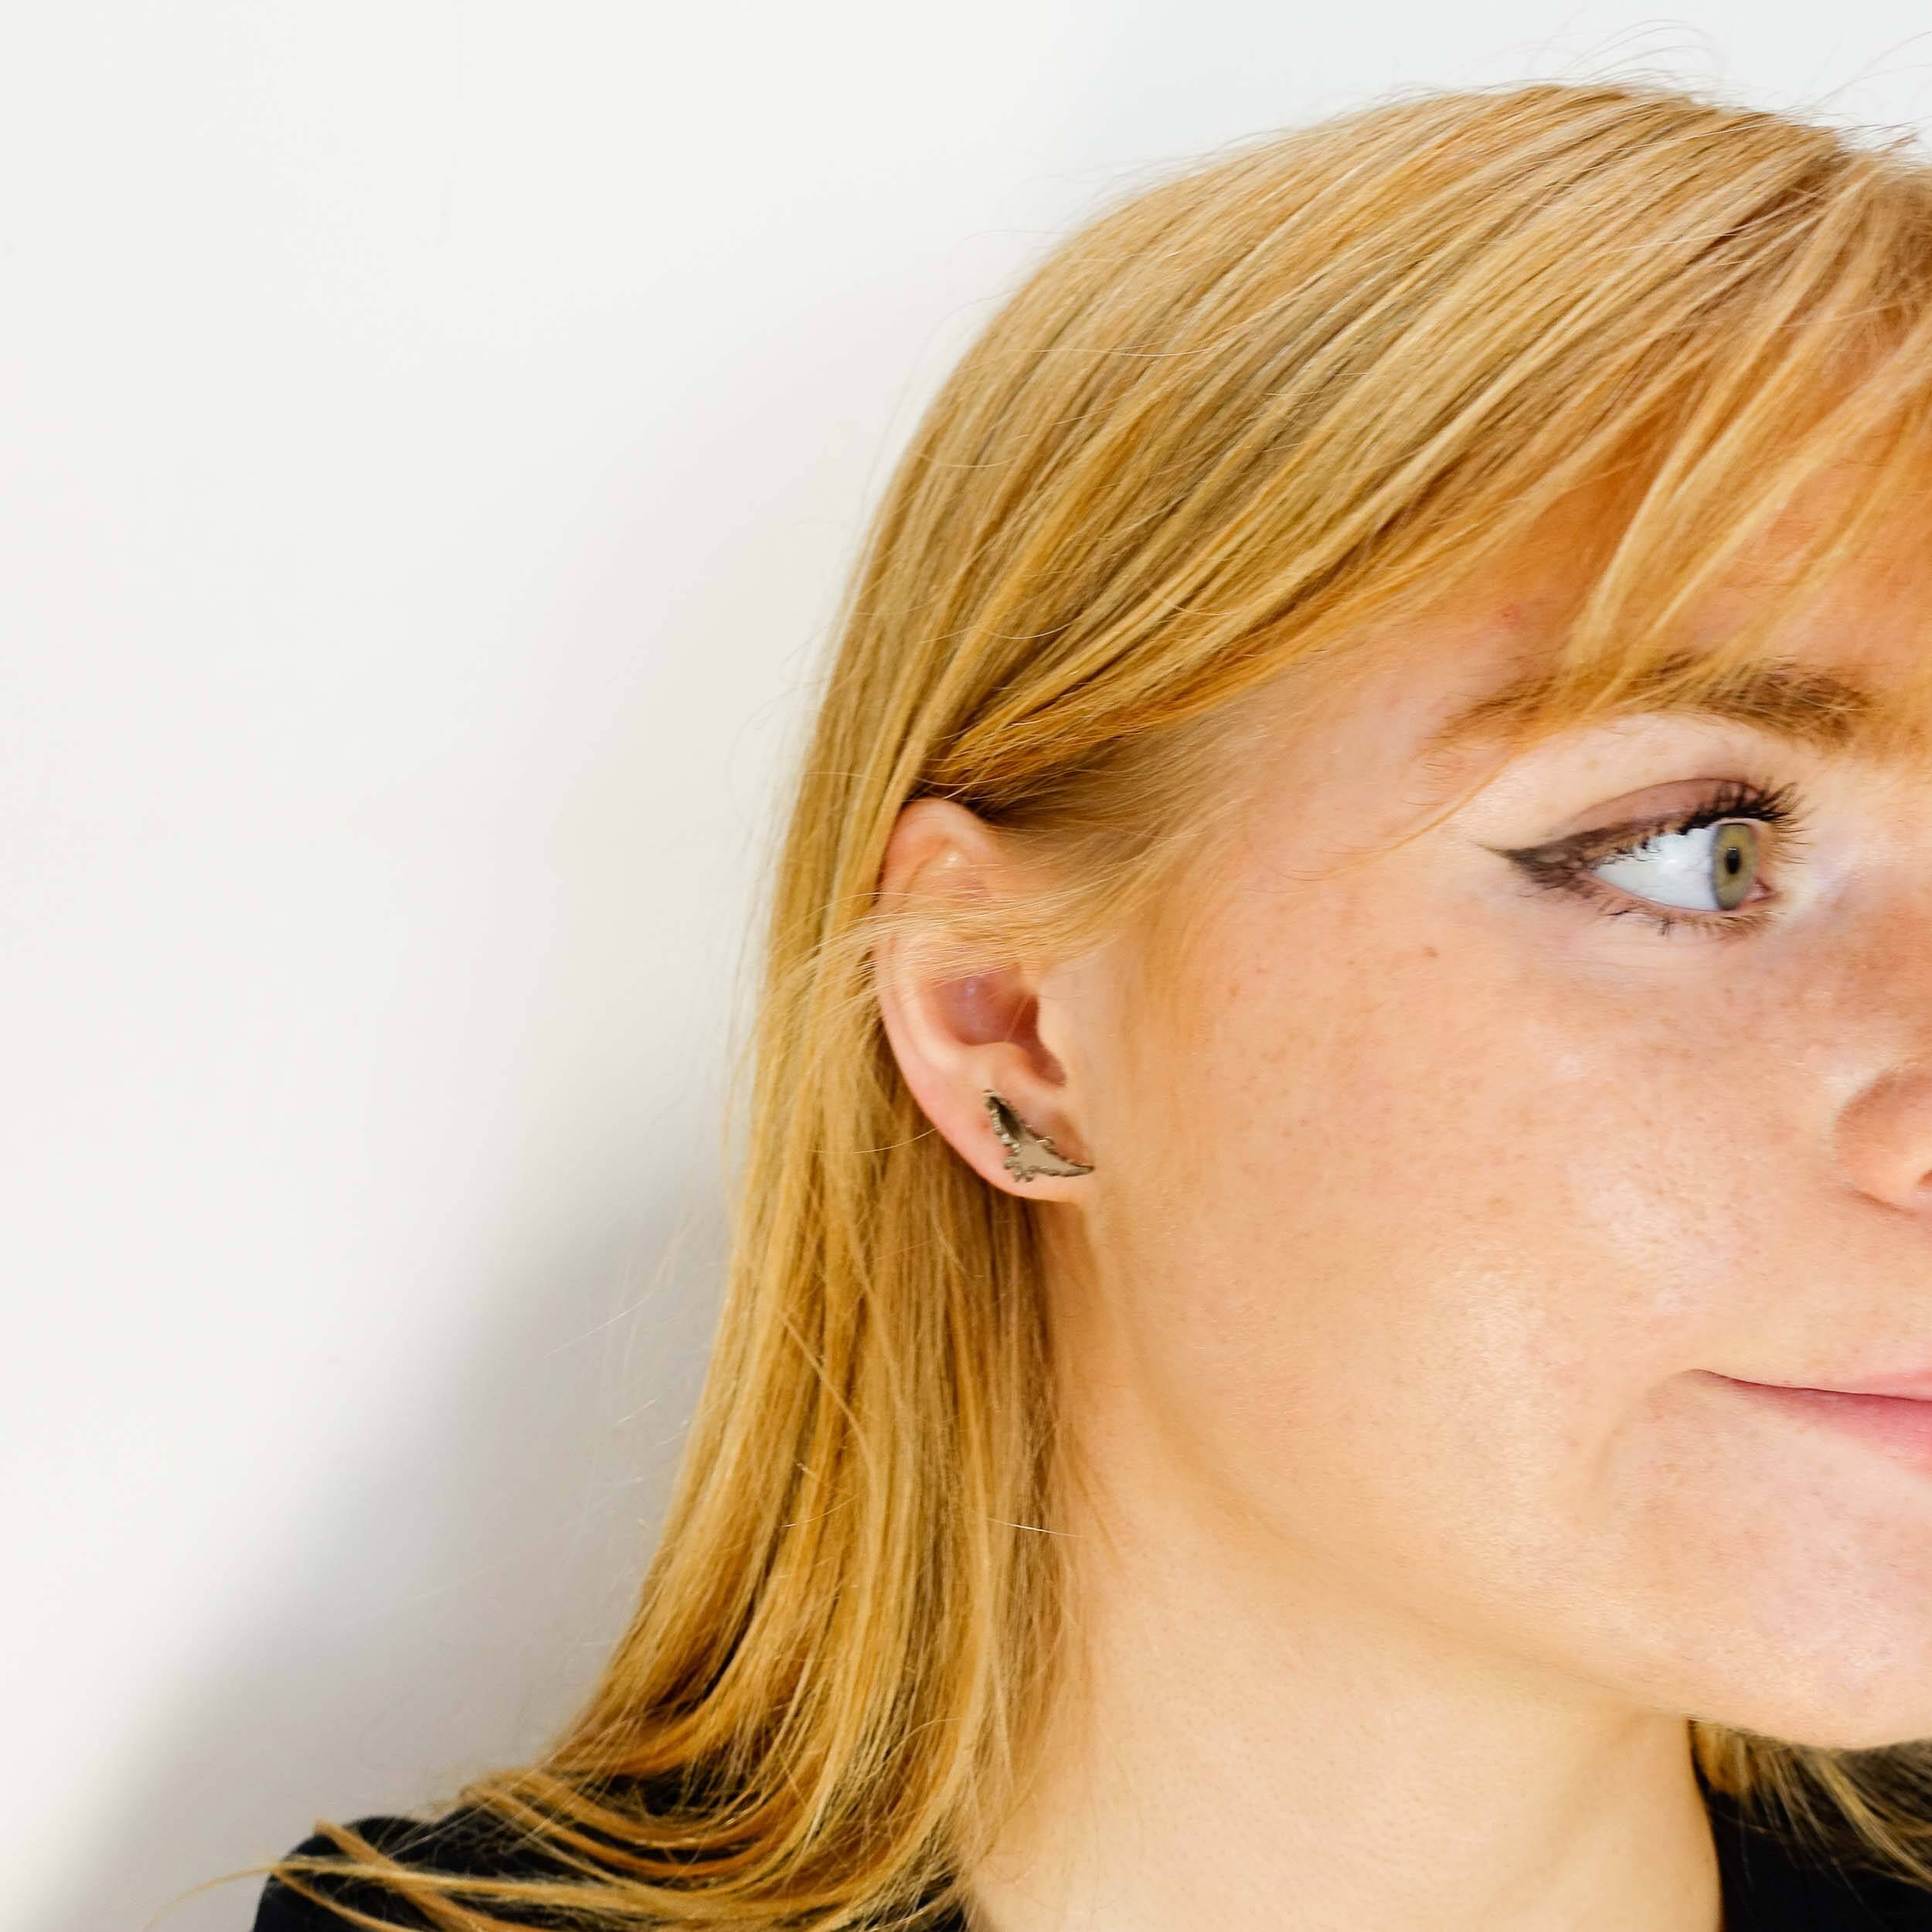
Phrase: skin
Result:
[1416,1522]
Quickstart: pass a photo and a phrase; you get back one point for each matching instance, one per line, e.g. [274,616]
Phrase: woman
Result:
[1332,1286]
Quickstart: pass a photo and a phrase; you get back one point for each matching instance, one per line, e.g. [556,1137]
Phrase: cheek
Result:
[1443,1247]
[1421,1244]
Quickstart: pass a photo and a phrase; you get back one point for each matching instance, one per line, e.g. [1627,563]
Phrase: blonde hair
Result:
[1230,429]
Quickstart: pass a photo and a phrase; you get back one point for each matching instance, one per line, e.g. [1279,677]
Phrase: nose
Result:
[1885,1137]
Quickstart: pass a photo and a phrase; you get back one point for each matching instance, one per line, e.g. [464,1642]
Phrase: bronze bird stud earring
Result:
[1029,1153]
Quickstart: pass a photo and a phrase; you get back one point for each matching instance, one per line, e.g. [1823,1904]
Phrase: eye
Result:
[1684,867]
[1705,862]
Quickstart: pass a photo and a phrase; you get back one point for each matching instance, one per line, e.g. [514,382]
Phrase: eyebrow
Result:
[1825,710]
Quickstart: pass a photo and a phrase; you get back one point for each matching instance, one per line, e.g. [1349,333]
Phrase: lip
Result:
[1899,1424]
[1918,1385]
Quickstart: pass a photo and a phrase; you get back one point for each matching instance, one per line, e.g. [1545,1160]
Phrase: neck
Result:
[1243,1739]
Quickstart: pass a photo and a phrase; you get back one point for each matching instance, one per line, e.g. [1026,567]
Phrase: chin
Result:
[1892,1706]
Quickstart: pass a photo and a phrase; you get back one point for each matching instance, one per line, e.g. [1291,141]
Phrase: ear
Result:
[953,1037]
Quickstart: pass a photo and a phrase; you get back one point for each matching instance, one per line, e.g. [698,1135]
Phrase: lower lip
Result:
[1900,1425]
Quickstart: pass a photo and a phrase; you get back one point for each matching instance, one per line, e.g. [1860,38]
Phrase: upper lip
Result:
[1916,1386]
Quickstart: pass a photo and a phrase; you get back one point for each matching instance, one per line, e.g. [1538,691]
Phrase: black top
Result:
[1767,1887]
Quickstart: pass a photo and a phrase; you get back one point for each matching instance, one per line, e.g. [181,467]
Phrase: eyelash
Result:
[1566,867]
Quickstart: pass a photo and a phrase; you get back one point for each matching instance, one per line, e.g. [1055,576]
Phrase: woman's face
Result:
[1438,1253]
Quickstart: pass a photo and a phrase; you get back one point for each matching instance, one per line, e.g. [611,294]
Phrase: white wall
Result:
[432,437]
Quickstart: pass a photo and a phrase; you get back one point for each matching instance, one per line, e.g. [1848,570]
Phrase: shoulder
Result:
[464,1841]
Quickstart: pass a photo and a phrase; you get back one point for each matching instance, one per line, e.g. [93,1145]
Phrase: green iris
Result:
[1734,860]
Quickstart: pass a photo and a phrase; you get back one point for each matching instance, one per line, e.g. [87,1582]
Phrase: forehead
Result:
[1848,673]
[1418,705]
